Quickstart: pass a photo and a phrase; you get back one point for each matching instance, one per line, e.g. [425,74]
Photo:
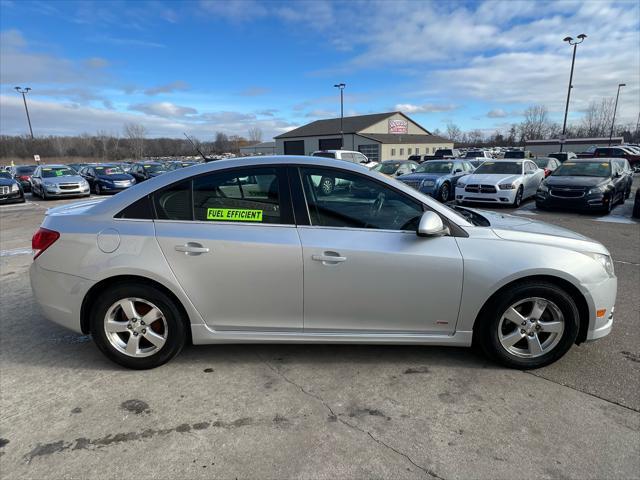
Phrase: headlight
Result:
[48,184]
[597,190]
[428,183]
[14,187]
[543,188]
[507,186]
[461,184]
[84,183]
[604,260]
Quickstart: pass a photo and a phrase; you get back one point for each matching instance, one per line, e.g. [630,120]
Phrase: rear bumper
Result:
[59,295]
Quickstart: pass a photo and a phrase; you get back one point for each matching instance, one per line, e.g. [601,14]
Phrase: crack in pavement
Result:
[425,470]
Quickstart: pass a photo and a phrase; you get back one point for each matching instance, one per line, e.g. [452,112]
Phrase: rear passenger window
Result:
[174,202]
[244,196]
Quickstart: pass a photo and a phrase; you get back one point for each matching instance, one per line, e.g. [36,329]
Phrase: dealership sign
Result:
[398,126]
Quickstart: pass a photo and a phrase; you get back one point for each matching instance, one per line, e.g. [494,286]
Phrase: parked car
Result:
[347,155]
[548,164]
[22,173]
[563,156]
[626,172]
[78,166]
[442,153]
[438,178]
[107,178]
[51,181]
[10,189]
[145,170]
[636,205]
[175,165]
[518,154]
[303,267]
[477,155]
[504,182]
[617,152]
[395,168]
[586,184]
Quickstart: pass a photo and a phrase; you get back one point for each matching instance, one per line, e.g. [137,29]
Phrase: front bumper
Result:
[596,201]
[12,197]
[503,197]
[112,188]
[55,191]
[59,295]
[601,296]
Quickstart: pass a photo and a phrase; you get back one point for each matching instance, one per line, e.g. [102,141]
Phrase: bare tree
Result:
[453,132]
[475,137]
[136,133]
[255,135]
[535,124]
[221,143]
[597,118]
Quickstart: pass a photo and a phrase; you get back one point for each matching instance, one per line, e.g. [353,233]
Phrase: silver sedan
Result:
[250,250]
[51,181]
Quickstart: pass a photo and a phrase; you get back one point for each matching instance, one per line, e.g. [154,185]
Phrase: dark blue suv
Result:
[438,178]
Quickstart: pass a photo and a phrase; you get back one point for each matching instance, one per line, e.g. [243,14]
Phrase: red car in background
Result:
[618,152]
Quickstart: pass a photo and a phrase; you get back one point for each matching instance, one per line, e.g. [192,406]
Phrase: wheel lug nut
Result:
[531,334]
[522,331]
[141,322]
[134,320]
[524,323]
[129,326]
[144,330]
[135,334]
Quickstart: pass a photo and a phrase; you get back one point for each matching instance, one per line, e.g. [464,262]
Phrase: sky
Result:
[205,66]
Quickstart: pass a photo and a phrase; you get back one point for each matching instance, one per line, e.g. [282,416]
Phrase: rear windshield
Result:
[513,168]
[50,172]
[111,170]
[435,167]
[474,154]
[324,154]
[25,170]
[387,168]
[5,175]
[152,168]
[559,156]
[583,169]
[513,154]
[541,162]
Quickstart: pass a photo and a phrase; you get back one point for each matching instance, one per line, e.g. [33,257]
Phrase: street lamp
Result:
[613,122]
[575,43]
[341,87]
[24,91]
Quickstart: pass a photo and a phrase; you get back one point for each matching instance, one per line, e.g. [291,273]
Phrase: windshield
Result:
[58,172]
[435,167]
[474,154]
[324,154]
[111,170]
[512,168]
[25,170]
[541,162]
[514,154]
[5,175]
[472,216]
[387,168]
[155,168]
[583,169]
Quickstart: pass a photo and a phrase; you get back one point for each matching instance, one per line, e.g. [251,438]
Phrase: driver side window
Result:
[342,199]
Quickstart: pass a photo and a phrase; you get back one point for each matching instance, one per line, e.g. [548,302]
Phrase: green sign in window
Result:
[234,215]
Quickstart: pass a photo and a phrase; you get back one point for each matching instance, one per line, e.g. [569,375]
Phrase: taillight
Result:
[24,178]
[42,240]
[547,172]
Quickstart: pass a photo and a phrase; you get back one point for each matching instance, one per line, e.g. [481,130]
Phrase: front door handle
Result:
[329,258]
[191,248]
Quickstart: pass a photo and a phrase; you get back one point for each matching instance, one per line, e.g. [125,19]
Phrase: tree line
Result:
[131,144]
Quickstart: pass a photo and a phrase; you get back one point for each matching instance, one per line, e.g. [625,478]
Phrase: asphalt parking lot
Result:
[316,411]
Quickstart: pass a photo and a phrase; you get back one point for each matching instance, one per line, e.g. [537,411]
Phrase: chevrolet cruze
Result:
[250,250]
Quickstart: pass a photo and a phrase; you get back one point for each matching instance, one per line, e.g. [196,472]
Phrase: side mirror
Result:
[431,225]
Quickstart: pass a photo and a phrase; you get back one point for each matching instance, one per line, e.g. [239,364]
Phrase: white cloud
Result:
[425,108]
[163,109]
[178,85]
[497,113]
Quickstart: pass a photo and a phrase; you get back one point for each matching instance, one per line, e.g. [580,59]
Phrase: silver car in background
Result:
[49,181]
[251,250]
[504,182]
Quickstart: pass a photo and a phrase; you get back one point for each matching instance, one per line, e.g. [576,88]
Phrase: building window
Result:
[426,150]
[417,150]
[408,151]
[393,152]
[402,152]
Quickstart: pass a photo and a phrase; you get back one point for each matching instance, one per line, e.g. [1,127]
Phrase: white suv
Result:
[347,155]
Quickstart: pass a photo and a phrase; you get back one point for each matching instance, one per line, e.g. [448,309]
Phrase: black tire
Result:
[97,189]
[327,184]
[627,194]
[444,192]
[176,330]
[540,206]
[518,200]
[44,194]
[486,328]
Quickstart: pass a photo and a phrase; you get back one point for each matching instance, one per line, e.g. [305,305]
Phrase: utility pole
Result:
[24,91]
[575,44]
[341,87]
[613,121]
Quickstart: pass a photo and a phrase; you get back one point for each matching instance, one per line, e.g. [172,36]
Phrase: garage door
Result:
[371,151]
[294,147]
[330,144]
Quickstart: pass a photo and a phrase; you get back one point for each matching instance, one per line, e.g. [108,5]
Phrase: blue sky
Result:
[207,66]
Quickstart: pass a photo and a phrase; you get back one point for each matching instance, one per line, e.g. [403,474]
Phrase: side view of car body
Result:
[54,181]
[618,152]
[438,178]
[22,173]
[10,189]
[586,184]
[505,182]
[198,254]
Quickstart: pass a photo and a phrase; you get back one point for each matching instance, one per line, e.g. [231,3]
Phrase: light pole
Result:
[341,87]
[613,121]
[575,44]
[24,91]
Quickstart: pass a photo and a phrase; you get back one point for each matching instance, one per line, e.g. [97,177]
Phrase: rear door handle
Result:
[191,248]
[329,258]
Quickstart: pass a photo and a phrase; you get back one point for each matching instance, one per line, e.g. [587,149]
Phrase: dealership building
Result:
[380,136]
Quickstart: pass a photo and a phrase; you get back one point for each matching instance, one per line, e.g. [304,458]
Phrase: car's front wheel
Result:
[443,194]
[518,200]
[530,325]
[137,326]
[327,184]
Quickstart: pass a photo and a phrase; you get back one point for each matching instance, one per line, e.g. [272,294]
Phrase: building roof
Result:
[404,138]
[331,126]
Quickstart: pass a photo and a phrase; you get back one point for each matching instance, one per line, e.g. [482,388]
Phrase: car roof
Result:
[595,159]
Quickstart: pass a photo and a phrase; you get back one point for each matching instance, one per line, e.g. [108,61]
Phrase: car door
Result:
[36,182]
[231,242]
[90,175]
[365,269]
[532,178]
[619,181]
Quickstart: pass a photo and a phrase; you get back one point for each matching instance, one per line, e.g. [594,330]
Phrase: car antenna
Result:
[197,149]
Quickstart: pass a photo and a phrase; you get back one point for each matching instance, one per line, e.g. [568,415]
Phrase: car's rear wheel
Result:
[137,326]
[530,325]
[97,189]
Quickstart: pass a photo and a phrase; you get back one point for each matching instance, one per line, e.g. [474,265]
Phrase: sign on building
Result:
[398,126]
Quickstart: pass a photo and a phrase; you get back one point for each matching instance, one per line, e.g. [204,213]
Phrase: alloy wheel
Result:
[444,193]
[135,327]
[531,327]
